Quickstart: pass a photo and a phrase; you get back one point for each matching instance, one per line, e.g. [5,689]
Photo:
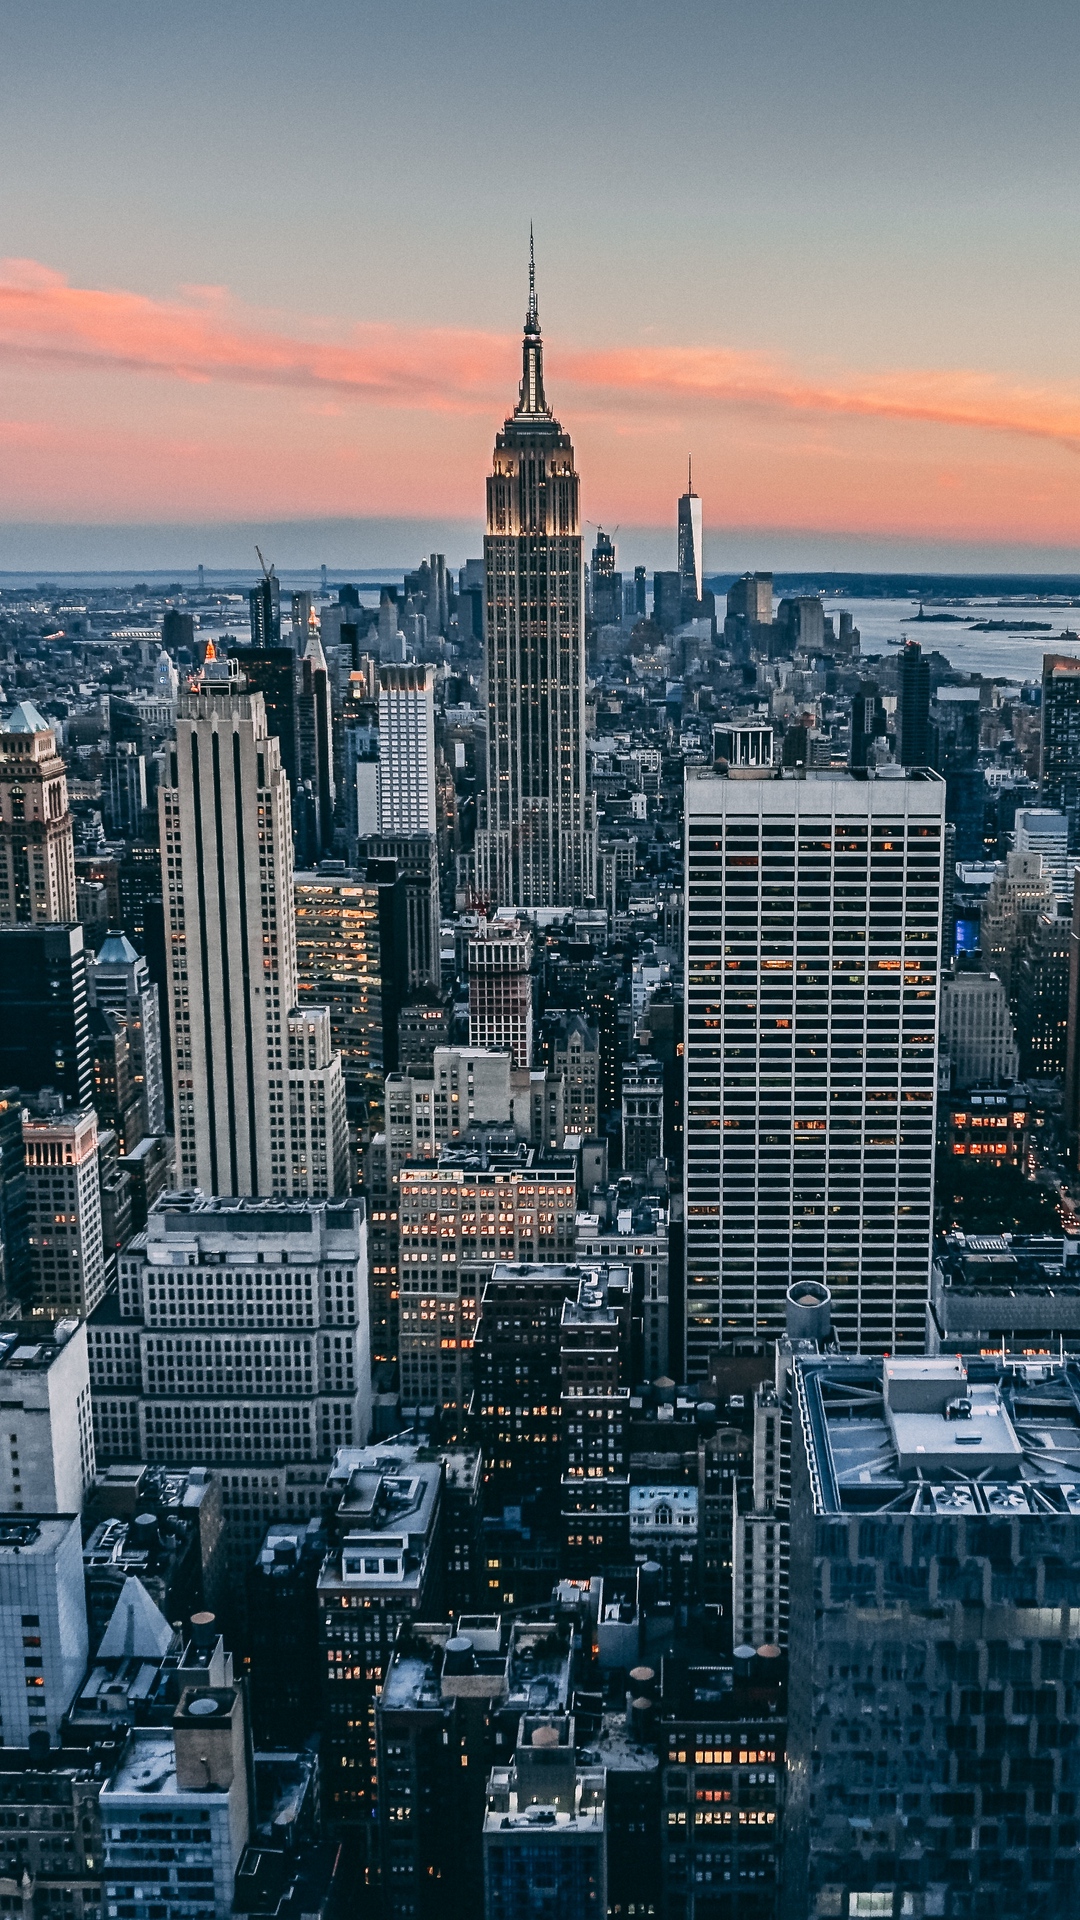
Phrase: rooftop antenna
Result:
[532,274]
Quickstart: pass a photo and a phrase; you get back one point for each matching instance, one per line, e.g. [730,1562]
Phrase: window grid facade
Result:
[812,962]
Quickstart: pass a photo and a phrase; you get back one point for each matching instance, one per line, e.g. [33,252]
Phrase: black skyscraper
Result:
[274,671]
[44,1033]
[1061,739]
[265,604]
[913,710]
[867,722]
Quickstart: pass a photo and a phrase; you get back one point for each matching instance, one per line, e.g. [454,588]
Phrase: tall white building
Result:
[46,1427]
[813,927]
[63,1194]
[407,750]
[43,1633]
[226,843]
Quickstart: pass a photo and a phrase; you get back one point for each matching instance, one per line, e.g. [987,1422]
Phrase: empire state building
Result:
[537,848]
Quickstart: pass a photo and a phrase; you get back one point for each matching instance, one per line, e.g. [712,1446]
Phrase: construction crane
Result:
[268,571]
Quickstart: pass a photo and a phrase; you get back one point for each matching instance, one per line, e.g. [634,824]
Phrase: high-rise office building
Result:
[177,630]
[44,1034]
[1060,727]
[554,1868]
[44,1644]
[501,990]
[118,980]
[642,1114]
[275,673]
[191,1777]
[977,1034]
[576,1058]
[239,1337]
[667,601]
[123,791]
[689,548]
[37,860]
[605,583]
[406,789]
[264,607]
[410,861]
[934,1538]
[47,1439]
[117,1101]
[813,928]
[245,1105]
[303,605]
[63,1194]
[537,847]
[14,1242]
[384,1570]
[339,965]
[316,743]
[458,1214]
[1041,830]
[913,706]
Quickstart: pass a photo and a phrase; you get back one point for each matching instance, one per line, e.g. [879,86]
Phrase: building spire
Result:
[531,398]
[690,473]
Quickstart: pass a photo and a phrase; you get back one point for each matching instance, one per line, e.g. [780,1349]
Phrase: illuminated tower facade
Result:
[537,847]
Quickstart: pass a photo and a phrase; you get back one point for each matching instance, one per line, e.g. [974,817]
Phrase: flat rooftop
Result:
[1001,1264]
[27,1353]
[941,1435]
[148,1768]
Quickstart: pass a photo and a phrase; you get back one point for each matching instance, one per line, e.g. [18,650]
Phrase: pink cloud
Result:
[206,336]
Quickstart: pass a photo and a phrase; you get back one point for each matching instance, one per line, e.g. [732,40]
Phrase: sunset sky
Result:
[266,263]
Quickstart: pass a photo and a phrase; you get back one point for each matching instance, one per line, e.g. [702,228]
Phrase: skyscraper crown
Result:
[531,397]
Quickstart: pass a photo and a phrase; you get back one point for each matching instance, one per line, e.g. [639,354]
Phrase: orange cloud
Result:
[209,337]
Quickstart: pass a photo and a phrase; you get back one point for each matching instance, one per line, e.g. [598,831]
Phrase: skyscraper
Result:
[243,1112]
[264,605]
[913,707]
[813,929]
[406,750]
[537,847]
[500,990]
[606,584]
[340,965]
[37,861]
[118,979]
[67,1255]
[1061,738]
[316,741]
[689,547]
[44,1036]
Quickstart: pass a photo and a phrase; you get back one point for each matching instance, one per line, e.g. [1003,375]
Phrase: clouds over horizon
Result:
[104,408]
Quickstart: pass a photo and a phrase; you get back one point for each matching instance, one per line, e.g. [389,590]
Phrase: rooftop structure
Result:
[1017,1293]
[935,1551]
